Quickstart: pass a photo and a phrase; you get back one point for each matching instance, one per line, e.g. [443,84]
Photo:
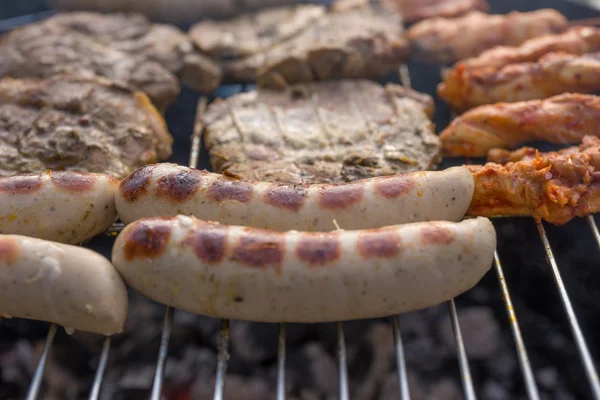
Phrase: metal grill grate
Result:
[404,391]
[404,394]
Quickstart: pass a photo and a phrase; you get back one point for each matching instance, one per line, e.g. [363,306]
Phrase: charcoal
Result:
[480,331]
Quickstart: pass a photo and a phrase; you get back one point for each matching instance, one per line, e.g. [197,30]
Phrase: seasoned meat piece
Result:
[40,51]
[253,33]
[555,187]
[579,40]
[446,40]
[322,132]
[78,123]
[364,42]
[135,35]
[562,119]
[416,10]
[553,74]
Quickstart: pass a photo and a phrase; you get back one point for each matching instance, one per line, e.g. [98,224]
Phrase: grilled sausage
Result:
[68,285]
[67,207]
[261,275]
[169,189]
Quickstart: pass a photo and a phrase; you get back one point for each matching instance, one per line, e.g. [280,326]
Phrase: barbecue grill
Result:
[180,118]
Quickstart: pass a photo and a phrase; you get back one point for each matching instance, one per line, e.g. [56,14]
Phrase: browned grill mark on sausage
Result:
[379,244]
[230,190]
[394,186]
[209,242]
[261,249]
[136,184]
[9,251]
[73,181]
[288,197]
[436,235]
[146,240]
[340,197]
[178,186]
[21,184]
[319,249]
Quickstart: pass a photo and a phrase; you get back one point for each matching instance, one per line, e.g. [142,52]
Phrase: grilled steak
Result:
[40,51]
[77,123]
[364,42]
[322,132]
[253,33]
[175,11]
[134,34]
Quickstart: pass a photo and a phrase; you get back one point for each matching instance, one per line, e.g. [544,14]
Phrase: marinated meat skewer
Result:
[416,10]
[553,74]
[446,40]
[561,119]
[555,186]
[578,40]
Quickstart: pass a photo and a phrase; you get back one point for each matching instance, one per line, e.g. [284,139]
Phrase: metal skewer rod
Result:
[463,361]
[595,231]
[530,385]
[342,362]
[281,363]
[95,392]
[162,355]
[38,376]
[400,361]
[584,353]
[168,321]
[222,358]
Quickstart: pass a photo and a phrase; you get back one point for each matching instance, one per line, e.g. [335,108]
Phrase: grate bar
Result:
[115,228]
[281,363]
[400,361]
[38,376]
[530,385]
[404,75]
[595,231]
[162,355]
[463,361]
[584,353]
[95,393]
[168,321]
[342,362]
[222,358]
[198,128]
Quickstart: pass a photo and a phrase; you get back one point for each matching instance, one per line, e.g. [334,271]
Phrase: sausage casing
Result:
[170,189]
[65,206]
[262,275]
[67,285]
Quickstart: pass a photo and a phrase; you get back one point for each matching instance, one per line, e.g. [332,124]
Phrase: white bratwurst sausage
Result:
[261,275]
[170,189]
[65,206]
[68,285]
